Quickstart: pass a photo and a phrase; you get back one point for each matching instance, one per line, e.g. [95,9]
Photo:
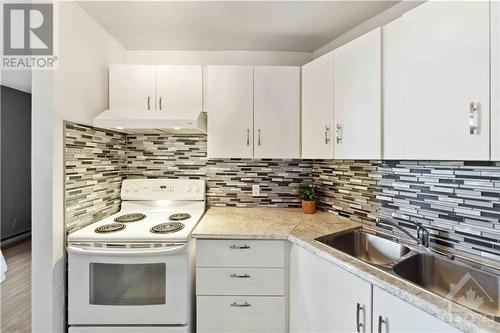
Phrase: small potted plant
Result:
[307,193]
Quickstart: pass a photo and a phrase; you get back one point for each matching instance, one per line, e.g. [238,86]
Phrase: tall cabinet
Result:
[342,101]
[277,112]
[357,103]
[436,82]
[317,108]
[230,111]
[253,112]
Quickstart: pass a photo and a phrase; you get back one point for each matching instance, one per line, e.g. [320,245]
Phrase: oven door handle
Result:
[74,249]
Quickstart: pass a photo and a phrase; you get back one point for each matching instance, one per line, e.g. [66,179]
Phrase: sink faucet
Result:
[422,237]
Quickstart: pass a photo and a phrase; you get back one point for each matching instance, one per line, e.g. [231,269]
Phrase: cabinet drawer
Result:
[240,314]
[240,253]
[240,281]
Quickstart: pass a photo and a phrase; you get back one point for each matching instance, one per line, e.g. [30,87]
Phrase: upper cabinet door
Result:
[317,108]
[230,111]
[277,112]
[179,89]
[132,87]
[436,82]
[357,100]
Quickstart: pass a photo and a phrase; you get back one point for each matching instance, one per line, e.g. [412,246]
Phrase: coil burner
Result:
[167,228]
[179,217]
[112,227]
[134,217]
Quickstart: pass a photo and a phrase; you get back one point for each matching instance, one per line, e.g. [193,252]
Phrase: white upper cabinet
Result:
[230,111]
[176,89]
[132,87]
[317,108]
[436,82]
[179,89]
[277,112]
[357,102]
[253,112]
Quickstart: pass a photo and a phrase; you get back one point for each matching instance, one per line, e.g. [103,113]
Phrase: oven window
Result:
[127,284]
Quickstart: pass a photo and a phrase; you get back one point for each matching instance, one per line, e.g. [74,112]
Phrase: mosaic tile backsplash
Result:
[97,160]
[229,181]
[459,202]
[94,164]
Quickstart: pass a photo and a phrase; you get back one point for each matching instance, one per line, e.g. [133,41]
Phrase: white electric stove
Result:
[134,271]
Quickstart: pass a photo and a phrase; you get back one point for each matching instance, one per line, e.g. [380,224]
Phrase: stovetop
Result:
[145,221]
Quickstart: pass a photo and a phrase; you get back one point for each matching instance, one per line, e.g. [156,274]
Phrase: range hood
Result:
[140,121]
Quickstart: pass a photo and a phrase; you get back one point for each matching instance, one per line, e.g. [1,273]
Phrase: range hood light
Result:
[138,121]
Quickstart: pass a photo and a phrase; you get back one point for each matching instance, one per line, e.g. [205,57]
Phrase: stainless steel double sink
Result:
[448,277]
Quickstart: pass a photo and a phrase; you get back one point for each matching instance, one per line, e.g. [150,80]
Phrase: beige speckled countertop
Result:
[302,229]
[258,223]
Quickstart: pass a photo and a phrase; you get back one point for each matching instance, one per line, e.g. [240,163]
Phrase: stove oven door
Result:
[128,286]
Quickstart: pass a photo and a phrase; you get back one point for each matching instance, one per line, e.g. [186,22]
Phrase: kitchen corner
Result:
[302,230]
[252,167]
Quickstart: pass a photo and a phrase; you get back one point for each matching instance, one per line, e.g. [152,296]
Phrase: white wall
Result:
[77,91]
[377,21]
[218,58]
[20,80]
[204,58]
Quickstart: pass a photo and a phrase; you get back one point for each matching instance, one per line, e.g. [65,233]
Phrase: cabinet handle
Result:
[358,323]
[248,137]
[244,276]
[242,247]
[149,103]
[258,141]
[159,101]
[380,322]
[327,129]
[473,118]
[244,305]
[339,133]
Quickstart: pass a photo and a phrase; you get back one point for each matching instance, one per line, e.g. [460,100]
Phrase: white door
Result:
[357,100]
[391,314]
[436,82]
[230,111]
[132,87]
[317,108]
[277,112]
[128,287]
[179,89]
[324,297]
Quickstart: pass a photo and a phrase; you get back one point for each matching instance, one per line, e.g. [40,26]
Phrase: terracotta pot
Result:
[309,207]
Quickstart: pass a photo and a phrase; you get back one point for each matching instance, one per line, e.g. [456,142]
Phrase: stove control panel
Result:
[163,189]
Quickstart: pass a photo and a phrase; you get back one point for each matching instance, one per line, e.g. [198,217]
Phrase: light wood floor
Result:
[15,290]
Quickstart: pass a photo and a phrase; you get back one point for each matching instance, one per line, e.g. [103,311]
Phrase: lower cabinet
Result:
[391,314]
[241,286]
[241,314]
[326,298]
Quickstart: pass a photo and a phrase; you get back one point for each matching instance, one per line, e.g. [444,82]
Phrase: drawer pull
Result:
[244,305]
[242,247]
[244,276]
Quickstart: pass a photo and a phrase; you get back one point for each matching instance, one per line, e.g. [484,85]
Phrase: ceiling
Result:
[230,25]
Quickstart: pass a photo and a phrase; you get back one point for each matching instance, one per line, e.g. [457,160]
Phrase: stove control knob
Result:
[197,190]
[189,189]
